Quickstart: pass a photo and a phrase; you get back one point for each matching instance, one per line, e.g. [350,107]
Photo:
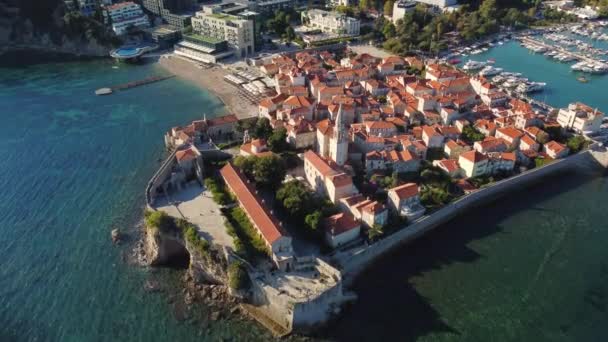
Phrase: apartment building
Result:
[331,22]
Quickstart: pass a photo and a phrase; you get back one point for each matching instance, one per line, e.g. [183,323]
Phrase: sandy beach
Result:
[212,80]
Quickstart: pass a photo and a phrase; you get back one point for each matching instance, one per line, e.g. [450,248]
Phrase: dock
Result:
[561,50]
[125,86]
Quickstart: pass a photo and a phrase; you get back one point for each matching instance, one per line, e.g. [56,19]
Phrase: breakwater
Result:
[129,85]
[354,263]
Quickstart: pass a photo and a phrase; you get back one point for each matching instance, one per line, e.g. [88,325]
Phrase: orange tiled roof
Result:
[473,156]
[252,204]
[406,190]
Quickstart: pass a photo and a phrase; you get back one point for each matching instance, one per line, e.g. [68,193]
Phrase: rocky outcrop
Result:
[45,26]
[163,249]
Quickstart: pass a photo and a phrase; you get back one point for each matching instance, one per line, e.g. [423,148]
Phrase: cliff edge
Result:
[46,26]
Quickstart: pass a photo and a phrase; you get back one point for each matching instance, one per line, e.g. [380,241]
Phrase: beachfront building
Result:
[555,150]
[217,35]
[405,201]
[236,31]
[176,13]
[331,22]
[271,231]
[473,164]
[125,15]
[341,229]
[580,118]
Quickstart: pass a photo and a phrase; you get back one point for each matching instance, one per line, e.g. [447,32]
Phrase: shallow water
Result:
[74,166]
[531,266]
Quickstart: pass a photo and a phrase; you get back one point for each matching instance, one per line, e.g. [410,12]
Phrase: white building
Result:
[439,3]
[580,118]
[124,15]
[338,143]
[405,200]
[341,229]
[400,8]
[331,22]
[326,180]
[237,31]
[473,164]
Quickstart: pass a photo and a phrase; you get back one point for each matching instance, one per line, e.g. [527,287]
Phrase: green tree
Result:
[277,142]
[269,172]
[388,7]
[489,9]
[471,135]
[542,137]
[295,198]
[238,277]
[576,143]
[364,5]
[290,34]
[375,232]
[246,165]
[262,129]
[313,220]
[389,30]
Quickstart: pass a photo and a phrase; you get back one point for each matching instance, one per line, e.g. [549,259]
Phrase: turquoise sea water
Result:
[74,166]
[562,85]
[532,266]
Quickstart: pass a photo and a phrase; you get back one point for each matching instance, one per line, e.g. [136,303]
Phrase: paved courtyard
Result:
[196,205]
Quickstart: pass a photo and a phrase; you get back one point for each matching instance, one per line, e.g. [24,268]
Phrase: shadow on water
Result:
[389,306]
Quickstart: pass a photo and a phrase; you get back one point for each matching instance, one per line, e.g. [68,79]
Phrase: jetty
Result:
[562,50]
[129,85]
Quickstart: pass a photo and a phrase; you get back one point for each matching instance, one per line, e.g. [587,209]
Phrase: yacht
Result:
[474,65]
[530,87]
[490,71]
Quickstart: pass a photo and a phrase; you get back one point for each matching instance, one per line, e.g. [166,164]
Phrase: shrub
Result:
[218,191]
[199,244]
[159,220]
[238,277]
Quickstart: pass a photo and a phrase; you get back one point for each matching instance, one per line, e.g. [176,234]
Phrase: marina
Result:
[564,84]
[586,62]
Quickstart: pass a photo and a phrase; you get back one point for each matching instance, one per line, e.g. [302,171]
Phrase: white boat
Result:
[530,87]
[490,71]
[578,66]
[498,79]
[474,65]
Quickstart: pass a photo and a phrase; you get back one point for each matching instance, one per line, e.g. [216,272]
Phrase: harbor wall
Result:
[158,179]
[357,263]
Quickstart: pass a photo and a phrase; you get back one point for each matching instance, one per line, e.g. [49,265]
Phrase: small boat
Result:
[103,91]
[582,79]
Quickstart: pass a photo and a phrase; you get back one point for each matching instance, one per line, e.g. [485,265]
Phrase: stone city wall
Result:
[355,264]
[158,179]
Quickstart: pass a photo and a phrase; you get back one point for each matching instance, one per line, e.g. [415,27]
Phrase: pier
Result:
[124,86]
[561,50]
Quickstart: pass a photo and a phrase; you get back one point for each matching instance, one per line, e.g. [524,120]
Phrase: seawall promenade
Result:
[353,263]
